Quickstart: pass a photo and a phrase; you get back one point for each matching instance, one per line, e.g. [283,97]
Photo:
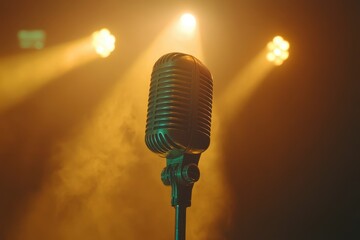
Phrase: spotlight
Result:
[187,23]
[278,50]
[103,42]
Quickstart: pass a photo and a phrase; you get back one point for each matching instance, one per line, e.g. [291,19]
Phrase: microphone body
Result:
[179,107]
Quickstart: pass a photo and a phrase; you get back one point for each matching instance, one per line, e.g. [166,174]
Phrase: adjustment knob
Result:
[166,176]
[191,173]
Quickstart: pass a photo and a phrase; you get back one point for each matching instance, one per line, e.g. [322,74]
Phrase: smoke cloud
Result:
[106,184]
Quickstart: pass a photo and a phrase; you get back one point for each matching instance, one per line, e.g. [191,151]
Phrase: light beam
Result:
[243,86]
[23,74]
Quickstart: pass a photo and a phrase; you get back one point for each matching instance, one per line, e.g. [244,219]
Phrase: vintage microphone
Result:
[178,125]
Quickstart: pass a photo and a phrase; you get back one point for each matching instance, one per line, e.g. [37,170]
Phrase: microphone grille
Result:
[179,107]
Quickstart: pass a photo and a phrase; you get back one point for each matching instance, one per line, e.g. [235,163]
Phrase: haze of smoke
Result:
[108,185]
[104,186]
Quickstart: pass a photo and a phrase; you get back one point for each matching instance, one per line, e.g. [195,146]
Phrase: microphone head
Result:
[179,107]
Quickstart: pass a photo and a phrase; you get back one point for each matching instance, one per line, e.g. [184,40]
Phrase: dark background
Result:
[290,157]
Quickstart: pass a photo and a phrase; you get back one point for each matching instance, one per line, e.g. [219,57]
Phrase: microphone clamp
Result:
[181,173]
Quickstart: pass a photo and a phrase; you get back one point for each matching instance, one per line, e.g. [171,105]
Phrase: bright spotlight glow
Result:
[188,23]
[278,50]
[103,42]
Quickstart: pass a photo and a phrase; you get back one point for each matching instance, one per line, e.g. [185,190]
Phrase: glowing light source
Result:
[187,23]
[278,50]
[103,42]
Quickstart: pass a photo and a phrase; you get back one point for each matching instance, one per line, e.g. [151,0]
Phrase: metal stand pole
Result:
[180,222]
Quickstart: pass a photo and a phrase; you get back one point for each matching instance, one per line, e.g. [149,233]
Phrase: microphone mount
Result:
[181,173]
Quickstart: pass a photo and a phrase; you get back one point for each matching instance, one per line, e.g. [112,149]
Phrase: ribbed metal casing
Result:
[179,106]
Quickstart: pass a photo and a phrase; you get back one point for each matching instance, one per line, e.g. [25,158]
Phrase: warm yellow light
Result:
[278,62]
[188,23]
[103,42]
[278,40]
[284,55]
[270,45]
[278,50]
[22,75]
[284,45]
[271,56]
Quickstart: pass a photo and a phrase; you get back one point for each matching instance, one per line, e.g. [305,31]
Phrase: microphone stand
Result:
[181,173]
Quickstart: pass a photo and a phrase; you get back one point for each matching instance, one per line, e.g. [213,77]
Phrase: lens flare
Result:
[187,23]
[278,50]
[103,42]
